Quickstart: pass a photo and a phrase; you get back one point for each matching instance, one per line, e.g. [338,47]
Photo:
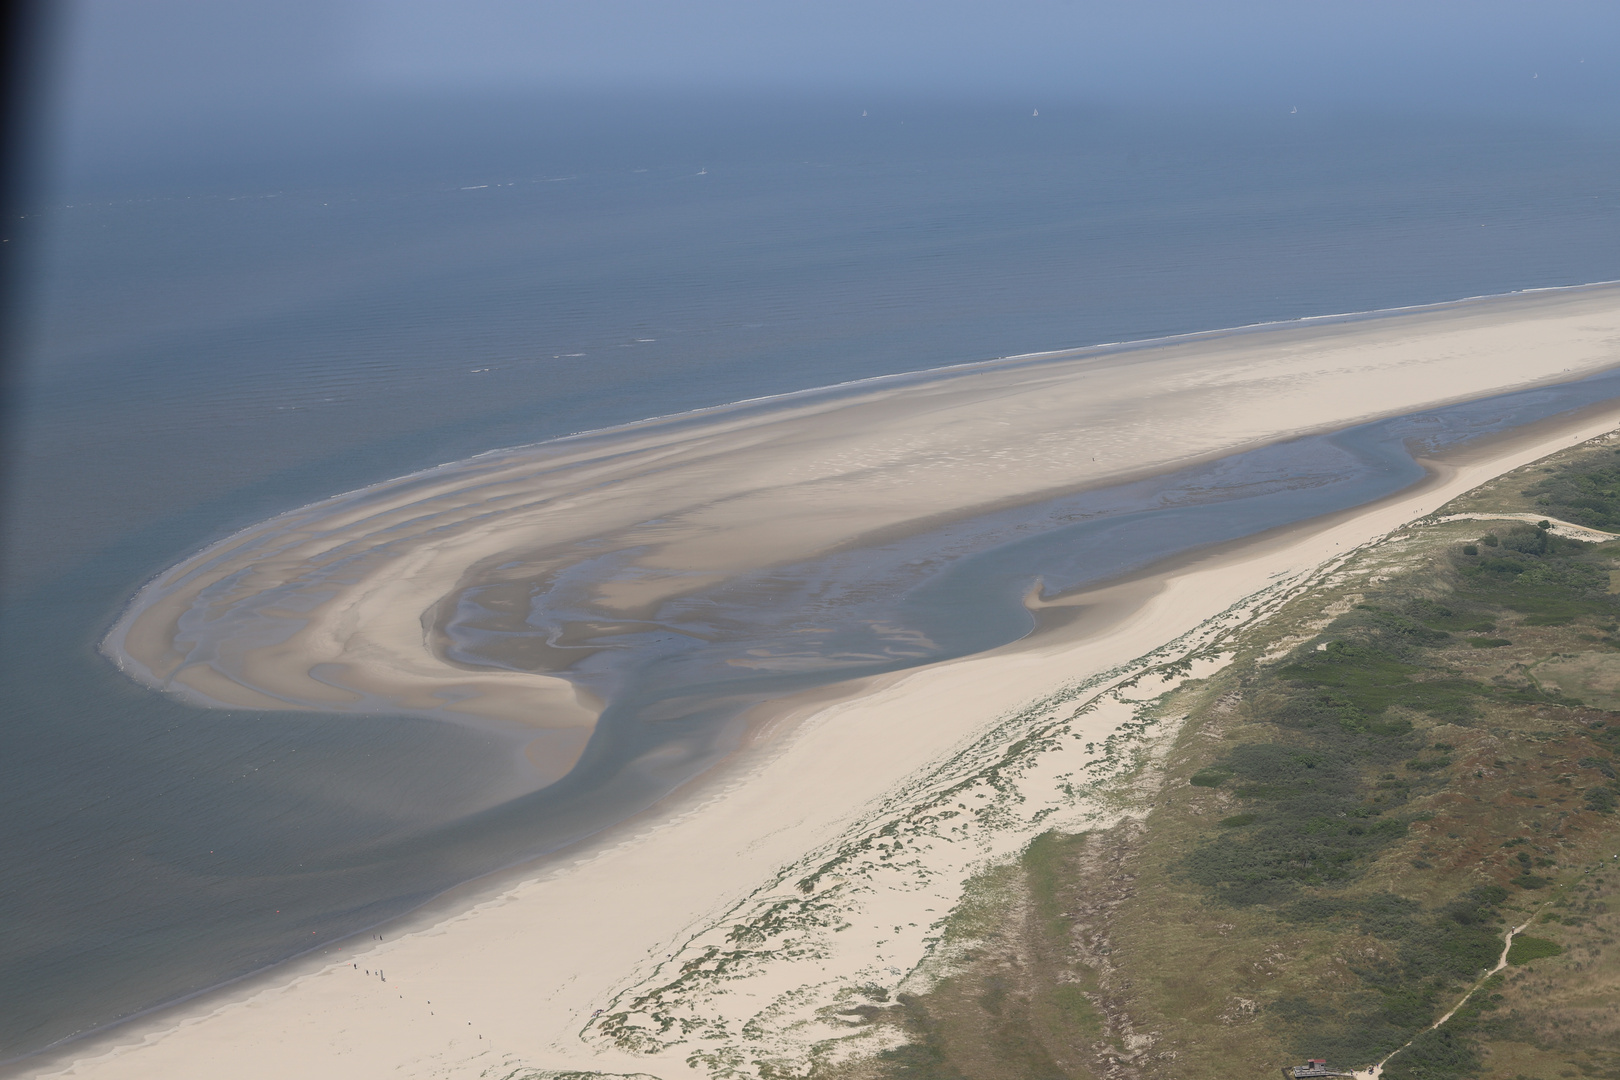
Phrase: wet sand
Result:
[344,605]
[512,975]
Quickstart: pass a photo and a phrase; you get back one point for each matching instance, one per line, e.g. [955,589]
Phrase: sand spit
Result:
[726,935]
[342,605]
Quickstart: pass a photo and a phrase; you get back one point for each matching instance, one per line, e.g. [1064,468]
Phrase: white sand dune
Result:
[330,608]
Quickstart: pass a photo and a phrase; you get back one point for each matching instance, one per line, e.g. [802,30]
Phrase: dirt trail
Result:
[1559,528]
[1373,1072]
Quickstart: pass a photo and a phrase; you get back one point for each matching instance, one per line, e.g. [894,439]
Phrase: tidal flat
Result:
[811,878]
[252,345]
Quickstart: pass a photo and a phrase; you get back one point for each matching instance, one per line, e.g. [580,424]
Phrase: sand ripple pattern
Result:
[544,555]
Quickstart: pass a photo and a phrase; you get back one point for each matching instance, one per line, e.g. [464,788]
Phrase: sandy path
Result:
[1373,1072]
[1559,527]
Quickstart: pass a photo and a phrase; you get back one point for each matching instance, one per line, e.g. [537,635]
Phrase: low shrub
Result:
[1526,948]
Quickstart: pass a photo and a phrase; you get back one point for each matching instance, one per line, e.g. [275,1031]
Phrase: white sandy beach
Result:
[325,607]
[515,979]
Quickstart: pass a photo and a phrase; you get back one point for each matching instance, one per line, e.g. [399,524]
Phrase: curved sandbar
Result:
[344,604]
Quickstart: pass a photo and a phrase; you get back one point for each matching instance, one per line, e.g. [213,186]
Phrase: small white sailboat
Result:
[1037,112]
[863,112]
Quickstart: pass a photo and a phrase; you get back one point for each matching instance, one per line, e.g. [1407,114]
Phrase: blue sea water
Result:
[207,349]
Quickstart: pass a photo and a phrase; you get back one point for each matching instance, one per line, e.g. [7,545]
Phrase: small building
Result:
[1311,1070]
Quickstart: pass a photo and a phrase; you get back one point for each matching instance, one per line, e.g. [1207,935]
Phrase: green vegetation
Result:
[1448,1052]
[1525,949]
[1600,799]
[1428,953]
[1019,1006]
[1346,834]
[1550,579]
[1586,493]
[1338,757]
[1345,705]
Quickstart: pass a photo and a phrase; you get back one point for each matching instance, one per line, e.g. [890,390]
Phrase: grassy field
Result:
[1399,766]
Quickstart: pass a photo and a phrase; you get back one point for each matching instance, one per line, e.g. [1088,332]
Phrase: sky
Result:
[131,74]
[1126,47]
